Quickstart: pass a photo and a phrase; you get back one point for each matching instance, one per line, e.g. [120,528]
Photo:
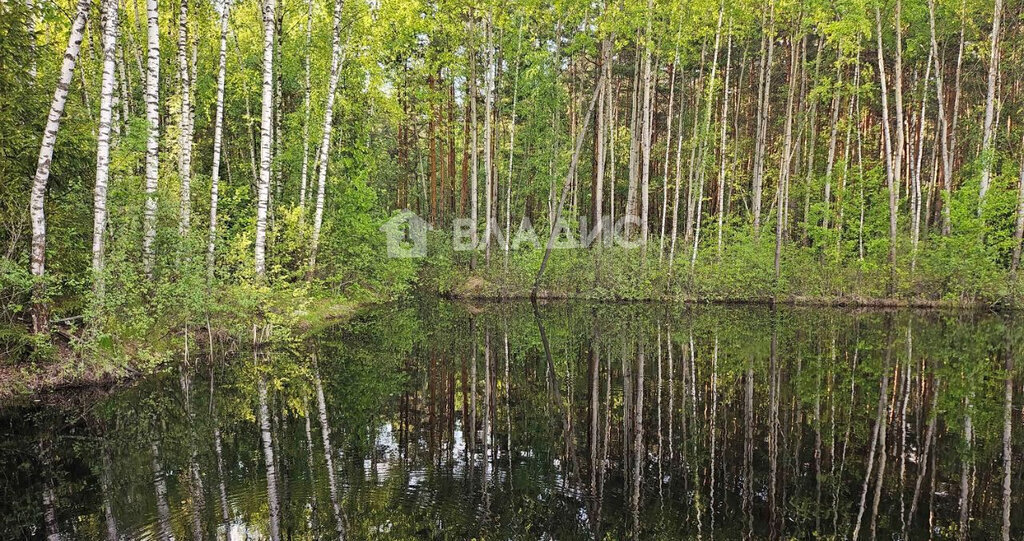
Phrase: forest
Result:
[265,268]
[197,167]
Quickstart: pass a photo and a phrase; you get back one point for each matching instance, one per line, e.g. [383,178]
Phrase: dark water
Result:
[587,422]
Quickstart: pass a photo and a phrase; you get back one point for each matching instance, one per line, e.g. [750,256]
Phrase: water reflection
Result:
[559,421]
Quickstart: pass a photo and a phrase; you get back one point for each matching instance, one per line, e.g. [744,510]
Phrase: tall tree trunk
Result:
[944,132]
[672,68]
[891,168]
[488,140]
[511,150]
[678,184]
[915,229]
[782,193]
[764,90]
[325,143]
[218,129]
[954,124]
[721,143]
[988,133]
[152,135]
[704,135]
[185,135]
[832,140]
[900,151]
[573,164]
[631,214]
[432,142]
[474,158]
[307,106]
[695,143]
[40,319]
[99,221]
[266,125]
[648,128]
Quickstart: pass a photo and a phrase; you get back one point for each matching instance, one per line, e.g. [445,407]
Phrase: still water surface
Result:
[571,421]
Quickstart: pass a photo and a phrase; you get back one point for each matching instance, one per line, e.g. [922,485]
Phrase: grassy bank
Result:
[936,276]
[108,352]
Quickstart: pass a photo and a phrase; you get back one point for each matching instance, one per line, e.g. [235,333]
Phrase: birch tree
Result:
[40,319]
[764,88]
[944,135]
[891,176]
[721,143]
[647,132]
[474,159]
[109,23]
[325,143]
[185,123]
[218,129]
[990,97]
[152,134]
[266,119]
[489,179]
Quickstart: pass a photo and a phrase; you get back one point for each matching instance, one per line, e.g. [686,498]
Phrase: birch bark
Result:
[325,143]
[266,125]
[40,320]
[152,135]
[218,128]
[99,222]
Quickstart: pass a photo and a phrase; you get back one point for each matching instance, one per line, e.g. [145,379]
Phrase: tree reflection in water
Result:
[566,420]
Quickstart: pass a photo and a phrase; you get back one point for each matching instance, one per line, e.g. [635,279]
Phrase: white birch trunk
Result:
[832,138]
[668,144]
[185,136]
[901,137]
[721,144]
[709,105]
[763,104]
[891,175]
[218,129]
[990,97]
[38,196]
[109,19]
[325,143]
[782,193]
[647,133]
[634,150]
[512,154]
[152,135]
[915,229]
[944,132]
[266,120]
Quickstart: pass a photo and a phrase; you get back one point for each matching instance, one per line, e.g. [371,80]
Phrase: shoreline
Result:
[788,300]
[68,369]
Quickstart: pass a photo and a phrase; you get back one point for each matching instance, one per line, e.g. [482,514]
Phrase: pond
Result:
[565,421]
